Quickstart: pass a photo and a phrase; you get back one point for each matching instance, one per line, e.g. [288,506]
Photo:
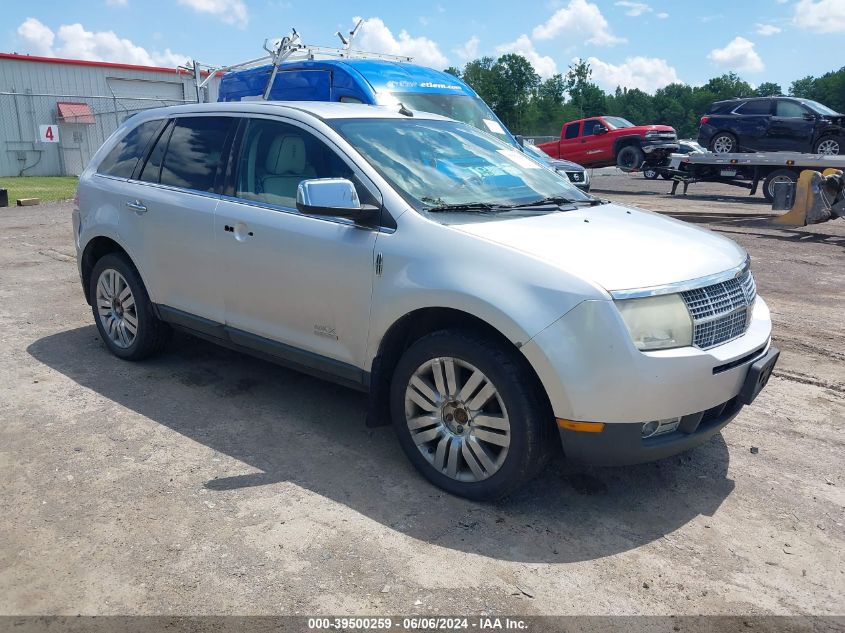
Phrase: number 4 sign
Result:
[48,133]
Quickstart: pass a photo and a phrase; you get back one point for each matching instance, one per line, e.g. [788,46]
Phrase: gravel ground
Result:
[207,482]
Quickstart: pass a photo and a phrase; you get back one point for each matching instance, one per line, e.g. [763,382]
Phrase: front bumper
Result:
[593,373]
[581,179]
[623,445]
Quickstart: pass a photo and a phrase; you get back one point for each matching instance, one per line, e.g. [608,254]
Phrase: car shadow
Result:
[293,428]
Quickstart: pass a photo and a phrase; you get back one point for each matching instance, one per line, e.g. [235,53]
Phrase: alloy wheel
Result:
[723,144]
[457,419]
[829,147]
[116,308]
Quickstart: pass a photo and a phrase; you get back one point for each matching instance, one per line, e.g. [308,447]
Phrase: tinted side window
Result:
[758,107]
[193,153]
[121,161]
[276,157]
[151,171]
[790,109]
[572,130]
[590,126]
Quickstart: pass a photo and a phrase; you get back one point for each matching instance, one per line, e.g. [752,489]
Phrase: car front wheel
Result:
[828,147]
[467,415]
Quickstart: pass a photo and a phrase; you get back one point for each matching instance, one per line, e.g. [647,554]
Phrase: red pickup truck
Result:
[604,141]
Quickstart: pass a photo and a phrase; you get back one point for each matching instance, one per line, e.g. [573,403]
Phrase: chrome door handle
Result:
[136,206]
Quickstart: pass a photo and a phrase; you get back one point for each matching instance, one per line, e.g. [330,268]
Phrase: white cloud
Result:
[822,16]
[229,11]
[767,29]
[543,64]
[469,49]
[646,73]
[662,15]
[117,3]
[579,20]
[38,37]
[374,36]
[634,9]
[738,55]
[74,42]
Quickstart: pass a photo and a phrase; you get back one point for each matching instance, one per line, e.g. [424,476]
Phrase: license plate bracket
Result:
[758,375]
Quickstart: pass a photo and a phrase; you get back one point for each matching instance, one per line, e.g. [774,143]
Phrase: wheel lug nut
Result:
[460,429]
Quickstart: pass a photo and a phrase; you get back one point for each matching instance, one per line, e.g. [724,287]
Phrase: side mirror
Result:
[808,116]
[333,197]
[599,129]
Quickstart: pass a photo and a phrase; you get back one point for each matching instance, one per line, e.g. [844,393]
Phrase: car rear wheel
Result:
[468,416]
[774,178]
[630,158]
[724,143]
[122,310]
[828,146]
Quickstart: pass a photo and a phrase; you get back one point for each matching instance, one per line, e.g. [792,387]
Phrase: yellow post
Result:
[797,216]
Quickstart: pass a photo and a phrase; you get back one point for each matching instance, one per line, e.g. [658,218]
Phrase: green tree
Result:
[768,89]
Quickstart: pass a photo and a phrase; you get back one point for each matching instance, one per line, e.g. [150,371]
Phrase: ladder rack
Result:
[287,48]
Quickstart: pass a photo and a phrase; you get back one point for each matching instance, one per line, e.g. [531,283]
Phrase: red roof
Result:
[70,112]
[85,62]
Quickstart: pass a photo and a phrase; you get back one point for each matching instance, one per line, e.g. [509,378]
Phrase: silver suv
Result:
[492,311]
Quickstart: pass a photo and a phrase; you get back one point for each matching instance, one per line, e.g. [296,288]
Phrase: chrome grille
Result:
[720,313]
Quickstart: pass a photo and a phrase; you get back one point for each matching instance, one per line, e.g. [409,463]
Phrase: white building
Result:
[55,113]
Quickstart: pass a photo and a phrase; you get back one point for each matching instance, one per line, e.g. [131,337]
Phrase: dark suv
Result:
[772,124]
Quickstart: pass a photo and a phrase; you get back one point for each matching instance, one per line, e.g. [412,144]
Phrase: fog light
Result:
[649,428]
[660,427]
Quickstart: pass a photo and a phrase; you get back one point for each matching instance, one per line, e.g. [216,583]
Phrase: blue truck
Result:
[380,82]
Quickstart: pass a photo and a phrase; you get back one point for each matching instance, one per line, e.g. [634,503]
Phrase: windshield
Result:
[617,122]
[442,163]
[464,108]
[820,108]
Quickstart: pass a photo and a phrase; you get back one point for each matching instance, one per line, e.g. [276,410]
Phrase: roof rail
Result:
[287,48]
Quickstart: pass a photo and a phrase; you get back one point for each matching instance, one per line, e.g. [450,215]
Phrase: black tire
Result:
[724,143]
[152,334]
[830,145]
[650,173]
[533,435]
[778,175]
[630,158]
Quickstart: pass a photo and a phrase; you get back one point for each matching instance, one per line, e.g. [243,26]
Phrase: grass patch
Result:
[48,188]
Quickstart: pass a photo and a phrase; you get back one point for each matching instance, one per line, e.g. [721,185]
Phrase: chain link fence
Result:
[56,135]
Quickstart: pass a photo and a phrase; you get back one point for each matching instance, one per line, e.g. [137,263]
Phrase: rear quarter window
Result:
[120,162]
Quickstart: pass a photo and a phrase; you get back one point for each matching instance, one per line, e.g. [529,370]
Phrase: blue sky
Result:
[643,44]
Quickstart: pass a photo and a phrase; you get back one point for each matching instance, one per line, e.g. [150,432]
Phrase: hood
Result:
[650,128]
[566,165]
[616,247]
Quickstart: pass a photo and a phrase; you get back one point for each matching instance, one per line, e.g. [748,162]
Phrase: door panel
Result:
[594,146]
[299,280]
[789,130]
[570,142]
[168,214]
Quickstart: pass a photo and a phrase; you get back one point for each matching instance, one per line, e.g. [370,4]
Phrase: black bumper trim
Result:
[622,444]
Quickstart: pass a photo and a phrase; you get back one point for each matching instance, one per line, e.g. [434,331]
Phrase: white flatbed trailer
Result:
[747,169]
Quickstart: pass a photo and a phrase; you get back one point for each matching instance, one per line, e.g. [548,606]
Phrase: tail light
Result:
[704,120]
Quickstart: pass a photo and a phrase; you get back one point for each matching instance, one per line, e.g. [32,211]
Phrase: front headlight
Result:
[661,322]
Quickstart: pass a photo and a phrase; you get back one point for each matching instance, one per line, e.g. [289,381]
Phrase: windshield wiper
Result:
[466,206]
[542,202]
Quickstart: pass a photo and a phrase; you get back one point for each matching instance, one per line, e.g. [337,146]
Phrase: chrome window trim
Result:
[682,286]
